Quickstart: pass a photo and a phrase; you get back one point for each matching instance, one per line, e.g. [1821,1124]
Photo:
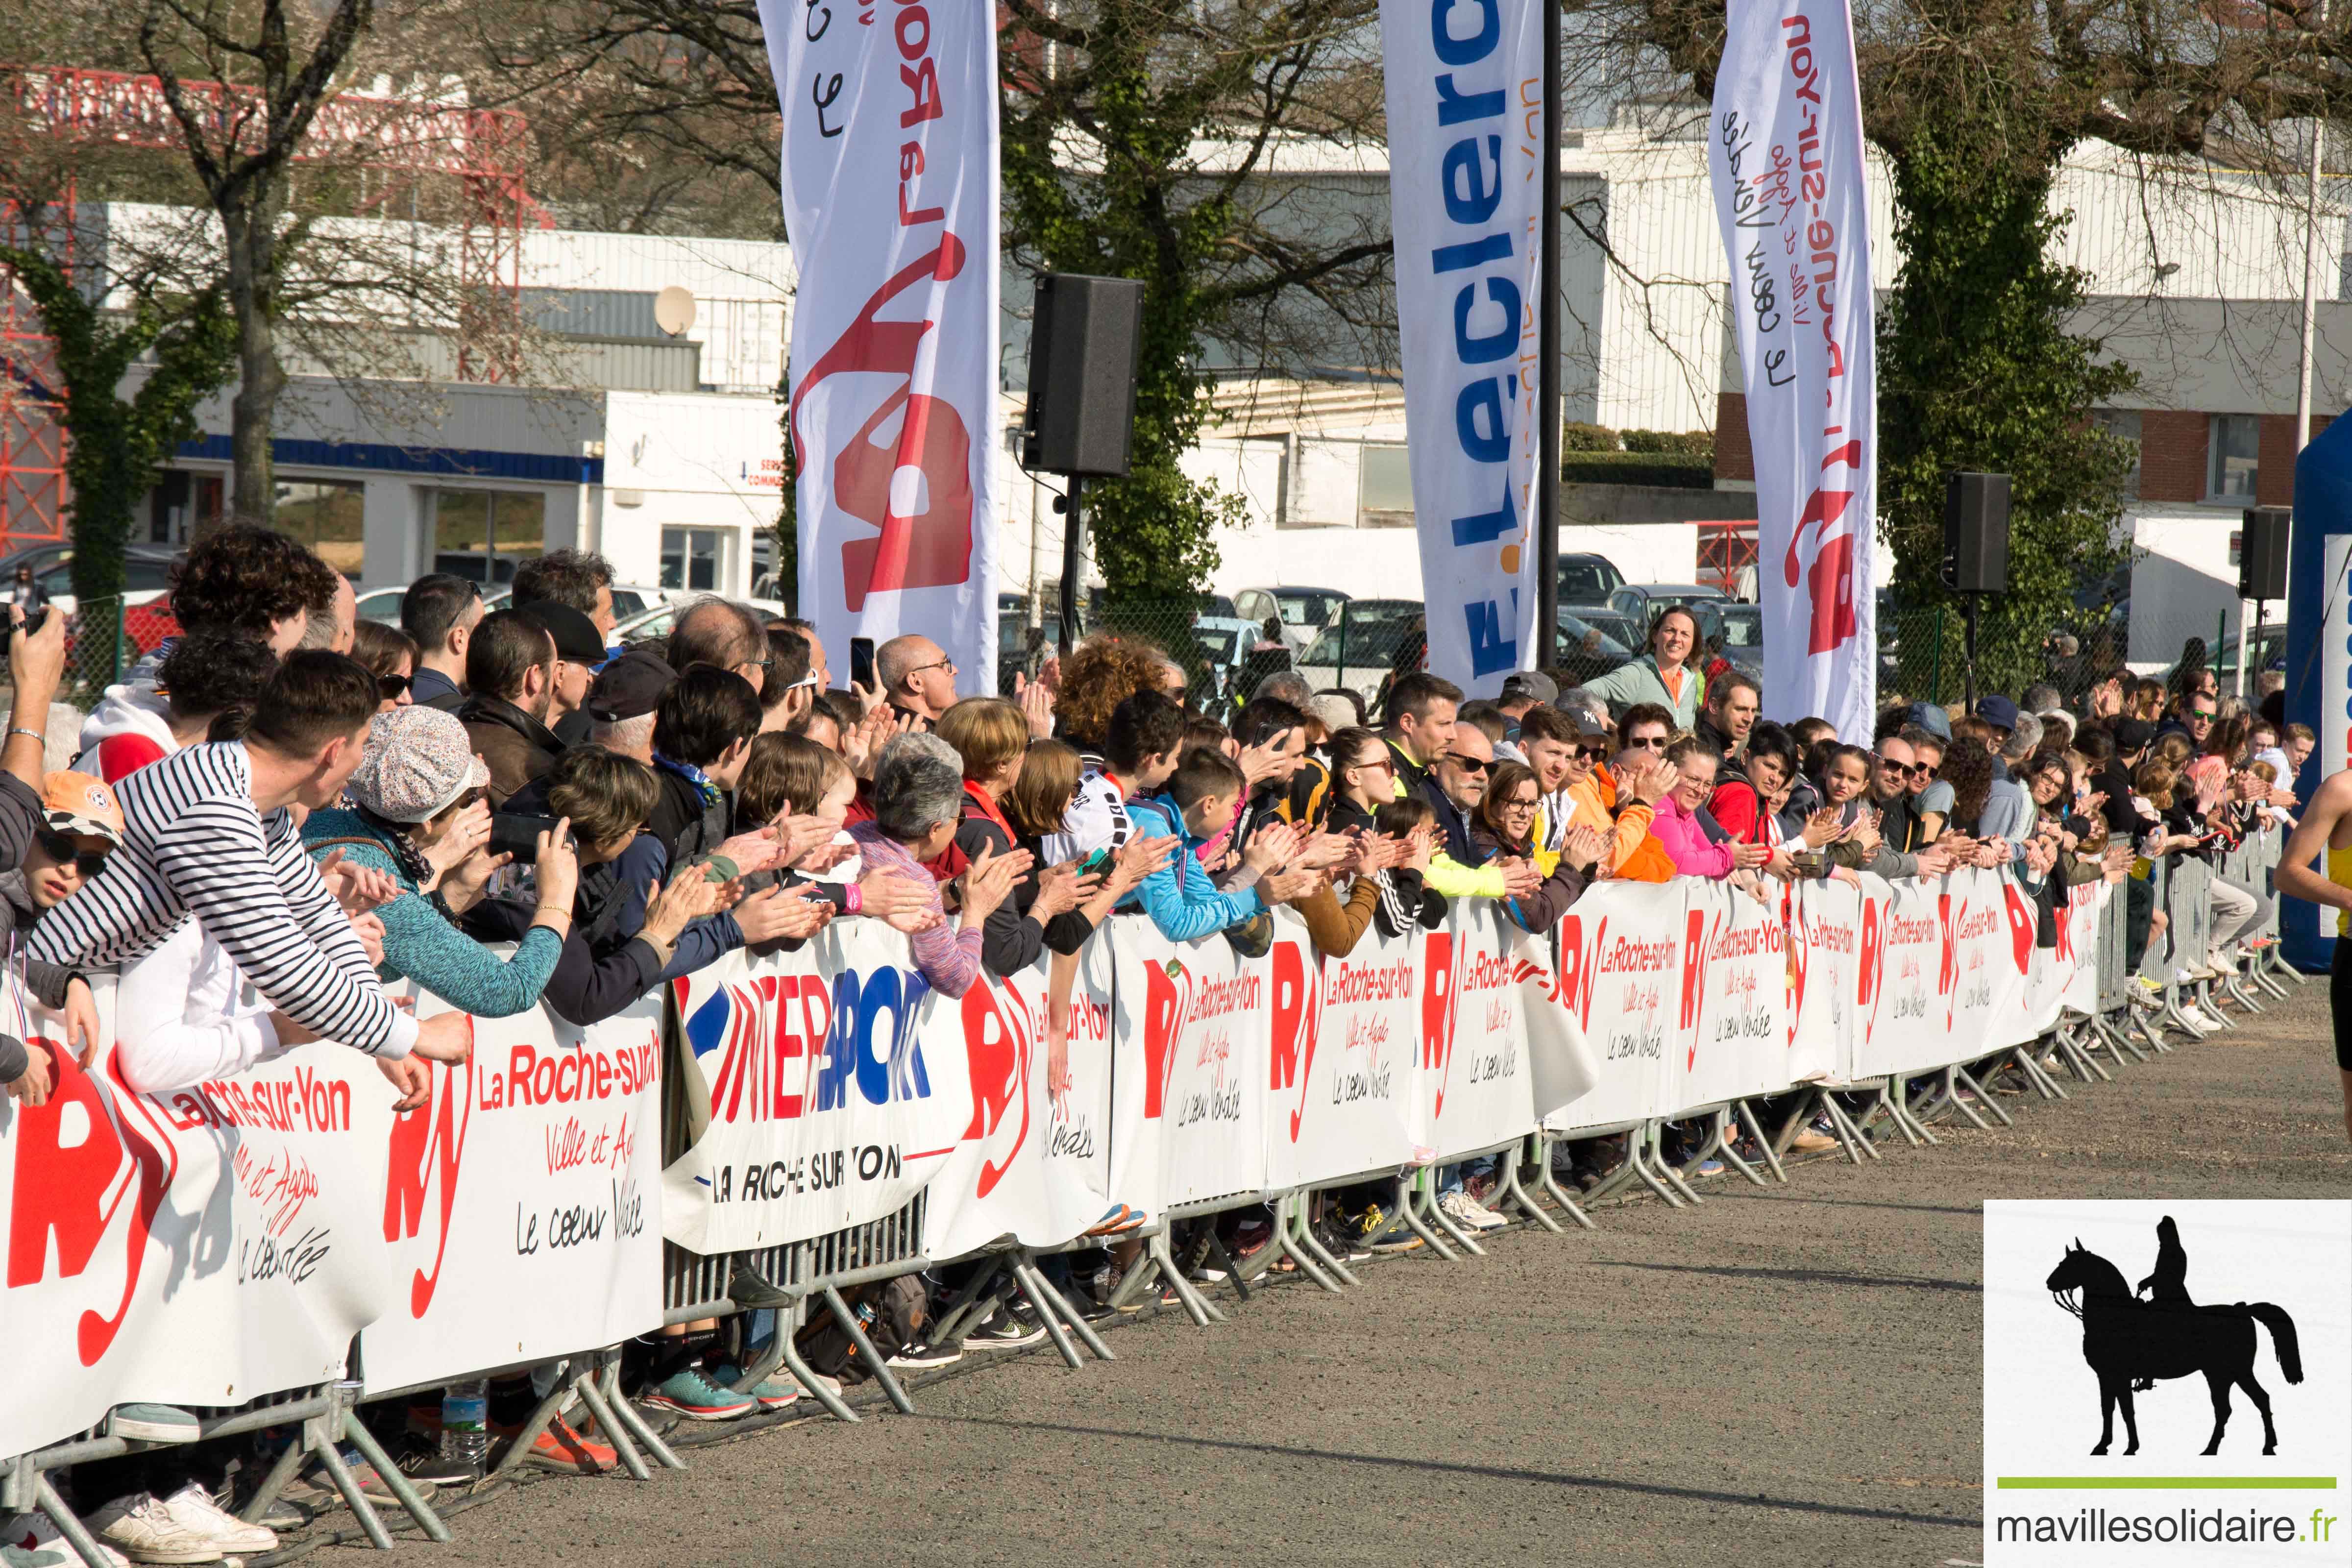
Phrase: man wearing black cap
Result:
[579,649]
[622,700]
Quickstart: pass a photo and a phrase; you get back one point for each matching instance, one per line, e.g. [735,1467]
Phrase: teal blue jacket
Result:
[420,945]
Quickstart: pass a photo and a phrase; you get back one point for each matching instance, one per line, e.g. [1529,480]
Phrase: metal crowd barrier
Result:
[785,1279]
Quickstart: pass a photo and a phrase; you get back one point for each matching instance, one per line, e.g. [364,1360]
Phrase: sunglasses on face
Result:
[1380,761]
[391,687]
[1654,742]
[61,849]
[1469,764]
[1904,770]
[1593,753]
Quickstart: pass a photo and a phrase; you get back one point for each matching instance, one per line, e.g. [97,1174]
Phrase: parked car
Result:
[1592,645]
[1358,647]
[1635,600]
[1586,581]
[628,599]
[1739,636]
[1304,612]
[146,574]
[1224,642]
[654,623]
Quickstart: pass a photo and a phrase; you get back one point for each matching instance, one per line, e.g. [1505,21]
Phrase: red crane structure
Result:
[406,139]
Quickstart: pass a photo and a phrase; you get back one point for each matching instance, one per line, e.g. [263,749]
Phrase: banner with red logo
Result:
[890,195]
[1200,1011]
[201,1247]
[1831,974]
[1480,976]
[1034,1163]
[1344,1074]
[809,1091]
[1785,148]
[1734,1017]
[1621,976]
[522,1205]
[1956,956]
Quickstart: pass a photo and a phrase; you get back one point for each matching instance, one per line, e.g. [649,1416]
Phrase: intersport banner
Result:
[890,195]
[1785,150]
[1464,114]
[808,1089]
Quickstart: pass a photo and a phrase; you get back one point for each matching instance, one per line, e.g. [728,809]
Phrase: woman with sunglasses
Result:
[80,824]
[1667,672]
[418,815]
[391,657]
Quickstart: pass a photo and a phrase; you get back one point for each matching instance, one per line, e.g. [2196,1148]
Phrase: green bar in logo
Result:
[2167,1483]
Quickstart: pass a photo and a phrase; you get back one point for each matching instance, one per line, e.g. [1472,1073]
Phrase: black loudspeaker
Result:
[1082,348]
[2262,553]
[1976,533]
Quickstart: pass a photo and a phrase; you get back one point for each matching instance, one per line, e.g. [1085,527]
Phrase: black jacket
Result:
[687,820]
[517,747]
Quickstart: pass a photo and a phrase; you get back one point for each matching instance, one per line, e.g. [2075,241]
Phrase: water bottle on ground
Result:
[466,1424]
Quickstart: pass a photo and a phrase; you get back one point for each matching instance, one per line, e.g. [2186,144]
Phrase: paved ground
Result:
[1788,1376]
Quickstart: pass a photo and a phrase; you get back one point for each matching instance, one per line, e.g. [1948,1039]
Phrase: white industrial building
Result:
[661,449]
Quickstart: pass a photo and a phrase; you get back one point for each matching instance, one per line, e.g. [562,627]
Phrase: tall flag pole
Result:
[890,193]
[1468,129]
[1785,148]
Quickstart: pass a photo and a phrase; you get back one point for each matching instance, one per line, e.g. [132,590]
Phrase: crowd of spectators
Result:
[284,812]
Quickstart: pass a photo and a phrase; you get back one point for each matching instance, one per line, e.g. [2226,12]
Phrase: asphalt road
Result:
[1782,1376]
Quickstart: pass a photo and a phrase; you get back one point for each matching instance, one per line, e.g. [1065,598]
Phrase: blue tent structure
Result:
[2319,648]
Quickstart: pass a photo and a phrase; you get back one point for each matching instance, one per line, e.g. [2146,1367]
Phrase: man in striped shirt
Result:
[210,836]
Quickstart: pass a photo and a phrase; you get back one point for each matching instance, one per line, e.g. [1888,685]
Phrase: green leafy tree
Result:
[1976,372]
[1976,104]
[115,443]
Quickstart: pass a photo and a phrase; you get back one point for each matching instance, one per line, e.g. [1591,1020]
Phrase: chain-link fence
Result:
[104,638]
[1921,652]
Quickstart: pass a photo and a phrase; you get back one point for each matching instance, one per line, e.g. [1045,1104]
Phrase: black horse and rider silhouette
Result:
[2131,1343]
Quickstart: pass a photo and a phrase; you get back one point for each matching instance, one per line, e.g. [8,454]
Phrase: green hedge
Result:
[1638,468]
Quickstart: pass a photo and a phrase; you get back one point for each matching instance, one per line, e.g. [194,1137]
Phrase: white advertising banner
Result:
[522,1205]
[1032,1164]
[1785,148]
[1464,112]
[806,1078]
[1477,1087]
[1829,982]
[1343,1070]
[1200,1011]
[890,195]
[202,1247]
[1620,961]
[1734,1017]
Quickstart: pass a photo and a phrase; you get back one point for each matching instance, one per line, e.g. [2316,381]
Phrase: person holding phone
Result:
[419,816]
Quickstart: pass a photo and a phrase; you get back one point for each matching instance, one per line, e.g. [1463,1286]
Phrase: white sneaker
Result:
[193,1506]
[143,1530]
[2198,1019]
[1465,1210]
[31,1540]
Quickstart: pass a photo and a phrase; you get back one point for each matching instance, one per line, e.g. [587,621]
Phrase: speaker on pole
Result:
[2262,553]
[1083,342]
[1976,533]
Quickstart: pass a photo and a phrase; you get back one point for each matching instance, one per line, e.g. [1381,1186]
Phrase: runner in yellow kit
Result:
[2327,822]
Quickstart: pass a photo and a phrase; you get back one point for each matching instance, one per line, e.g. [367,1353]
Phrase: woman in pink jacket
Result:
[1676,825]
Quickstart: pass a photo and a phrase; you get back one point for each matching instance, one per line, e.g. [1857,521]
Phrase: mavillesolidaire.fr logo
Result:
[2168,1381]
